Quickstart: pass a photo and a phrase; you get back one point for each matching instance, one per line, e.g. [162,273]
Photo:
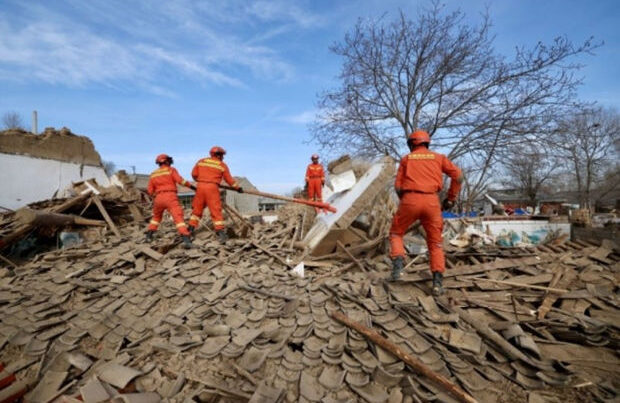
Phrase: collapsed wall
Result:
[38,167]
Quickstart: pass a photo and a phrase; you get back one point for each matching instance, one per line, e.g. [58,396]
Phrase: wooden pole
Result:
[419,367]
[357,262]
[321,205]
[273,255]
[515,284]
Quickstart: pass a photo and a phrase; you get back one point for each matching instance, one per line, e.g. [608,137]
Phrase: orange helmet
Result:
[216,150]
[314,157]
[163,158]
[418,137]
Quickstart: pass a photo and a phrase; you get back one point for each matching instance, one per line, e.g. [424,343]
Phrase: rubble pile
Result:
[117,318]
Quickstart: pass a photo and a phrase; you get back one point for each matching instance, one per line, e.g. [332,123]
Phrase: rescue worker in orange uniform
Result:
[418,182]
[315,179]
[208,172]
[163,185]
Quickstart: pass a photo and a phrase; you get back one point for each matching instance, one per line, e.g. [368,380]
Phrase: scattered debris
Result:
[113,318]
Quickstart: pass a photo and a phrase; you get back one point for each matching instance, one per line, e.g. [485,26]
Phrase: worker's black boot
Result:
[437,286]
[398,263]
[149,236]
[222,236]
[187,243]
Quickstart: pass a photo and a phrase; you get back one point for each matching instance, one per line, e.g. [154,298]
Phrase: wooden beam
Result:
[38,218]
[416,365]
[105,215]
[23,230]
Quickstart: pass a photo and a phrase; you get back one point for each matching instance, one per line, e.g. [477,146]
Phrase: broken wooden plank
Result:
[151,253]
[563,279]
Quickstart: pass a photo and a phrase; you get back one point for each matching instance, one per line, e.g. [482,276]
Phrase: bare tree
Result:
[529,167]
[109,167]
[12,120]
[439,73]
[588,141]
[609,185]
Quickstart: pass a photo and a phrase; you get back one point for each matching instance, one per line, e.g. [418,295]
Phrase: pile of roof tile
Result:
[118,318]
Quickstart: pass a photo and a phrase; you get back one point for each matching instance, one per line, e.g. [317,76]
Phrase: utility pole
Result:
[34,122]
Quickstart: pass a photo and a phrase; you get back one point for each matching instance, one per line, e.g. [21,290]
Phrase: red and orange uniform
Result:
[315,177]
[419,180]
[209,172]
[163,185]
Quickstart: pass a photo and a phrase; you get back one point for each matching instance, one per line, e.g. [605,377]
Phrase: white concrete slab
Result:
[345,203]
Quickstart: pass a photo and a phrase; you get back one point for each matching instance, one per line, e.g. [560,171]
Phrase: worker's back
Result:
[163,179]
[421,171]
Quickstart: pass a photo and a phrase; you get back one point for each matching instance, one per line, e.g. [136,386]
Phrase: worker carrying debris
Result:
[418,181]
[163,185]
[315,179]
[208,172]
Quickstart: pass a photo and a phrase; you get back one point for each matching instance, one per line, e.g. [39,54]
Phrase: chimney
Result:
[34,122]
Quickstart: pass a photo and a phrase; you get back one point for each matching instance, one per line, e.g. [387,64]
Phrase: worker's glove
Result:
[322,183]
[193,187]
[240,189]
[399,193]
[447,205]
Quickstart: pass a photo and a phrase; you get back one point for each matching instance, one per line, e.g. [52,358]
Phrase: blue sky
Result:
[177,76]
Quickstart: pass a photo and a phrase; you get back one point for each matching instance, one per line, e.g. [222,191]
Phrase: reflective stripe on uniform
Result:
[153,222]
[211,164]
[236,184]
[181,224]
[417,156]
[156,174]
[219,222]
[194,217]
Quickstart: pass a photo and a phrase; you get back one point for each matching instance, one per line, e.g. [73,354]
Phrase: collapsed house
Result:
[116,318]
[37,167]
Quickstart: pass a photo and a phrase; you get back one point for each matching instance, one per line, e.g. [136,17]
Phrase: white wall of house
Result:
[26,179]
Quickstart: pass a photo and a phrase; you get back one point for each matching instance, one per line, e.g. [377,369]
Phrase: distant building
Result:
[267,204]
[245,204]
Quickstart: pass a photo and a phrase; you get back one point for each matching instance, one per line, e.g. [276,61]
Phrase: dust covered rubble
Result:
[115,317]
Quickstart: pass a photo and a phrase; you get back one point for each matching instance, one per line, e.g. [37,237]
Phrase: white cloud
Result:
[140,43]
[301,118]
[284,11]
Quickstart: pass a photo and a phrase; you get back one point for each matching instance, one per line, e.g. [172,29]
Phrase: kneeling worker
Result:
[418,182]
[163,185]
[208,172]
